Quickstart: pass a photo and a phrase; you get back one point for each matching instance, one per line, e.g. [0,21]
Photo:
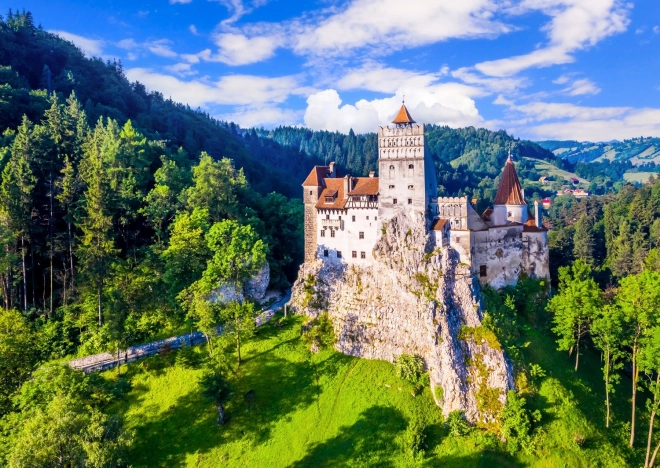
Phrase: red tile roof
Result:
[509,191]
[365,186]
[486,214]
[403,117]
[332,186]
[438,224]
[315,178]
[530,226]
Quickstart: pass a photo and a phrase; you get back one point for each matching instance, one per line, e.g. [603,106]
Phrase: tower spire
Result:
[403,118]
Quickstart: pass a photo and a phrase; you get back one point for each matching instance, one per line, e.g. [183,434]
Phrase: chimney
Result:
[538,217]
[347,185]
[372,174]
[332,170]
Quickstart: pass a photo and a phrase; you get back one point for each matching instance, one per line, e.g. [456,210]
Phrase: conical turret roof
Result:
[509,192]
[403,117]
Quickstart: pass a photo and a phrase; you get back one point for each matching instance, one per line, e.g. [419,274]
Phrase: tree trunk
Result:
[635,372]
[607,388]
[24,274]
[70,254]
[655,453]
[99,299]
[221,413]
[577,350]
[648,442]
[50,228]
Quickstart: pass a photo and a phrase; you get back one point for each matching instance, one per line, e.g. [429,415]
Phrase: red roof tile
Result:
[332,186]
[438,224]
[365,186]
[315,178]
[403,117]
[486,214]
[509,191]
[530,226]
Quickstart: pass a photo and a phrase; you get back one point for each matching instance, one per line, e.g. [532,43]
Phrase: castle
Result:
[344,216]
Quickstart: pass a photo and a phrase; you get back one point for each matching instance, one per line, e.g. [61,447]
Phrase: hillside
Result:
[644,151]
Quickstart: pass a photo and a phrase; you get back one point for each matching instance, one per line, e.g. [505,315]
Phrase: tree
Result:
[607,335]
[638,298]
[577,302]
[583,240]
[516,424]
[649,363]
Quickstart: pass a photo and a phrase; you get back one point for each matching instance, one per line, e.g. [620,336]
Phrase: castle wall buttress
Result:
[310,197]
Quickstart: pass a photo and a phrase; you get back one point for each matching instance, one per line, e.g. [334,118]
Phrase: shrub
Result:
[320,333]
[516,424]
[439,392]
[414,439]
[410,367]
[456,424]
[187,358]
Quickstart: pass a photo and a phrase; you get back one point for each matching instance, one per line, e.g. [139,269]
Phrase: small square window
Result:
[394,201]
[361,235]
[332,233]
[375,218]
[391,186]
[482,271]
[310,192]
[325,253]
[363,255]
[411,187]
[410,201]
[367,218]
[353,218]
[322,232]
[327,216]
[458,239]
[354,254]
[338,254]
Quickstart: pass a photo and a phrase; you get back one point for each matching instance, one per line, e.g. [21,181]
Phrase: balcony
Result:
[331,223]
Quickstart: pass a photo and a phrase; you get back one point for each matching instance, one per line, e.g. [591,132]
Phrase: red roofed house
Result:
[344,215]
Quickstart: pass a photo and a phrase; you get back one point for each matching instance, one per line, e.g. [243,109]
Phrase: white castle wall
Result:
[347,235]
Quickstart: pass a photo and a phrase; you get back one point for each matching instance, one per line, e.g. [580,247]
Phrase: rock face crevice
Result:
[414,299]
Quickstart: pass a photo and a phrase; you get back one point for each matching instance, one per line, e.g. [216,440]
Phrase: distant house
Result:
[575,181]
[579,193]
[546,203]
[546,179]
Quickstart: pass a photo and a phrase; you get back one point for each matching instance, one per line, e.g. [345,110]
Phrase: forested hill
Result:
[35,63]
[643,152]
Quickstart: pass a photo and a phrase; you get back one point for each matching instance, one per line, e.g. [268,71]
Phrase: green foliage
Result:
[479,335]
[188,358]
[319,333]
[414,438]
[516,424]
[410,367]
[457,425]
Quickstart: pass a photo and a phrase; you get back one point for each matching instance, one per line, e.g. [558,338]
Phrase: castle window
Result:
[411,170]
[361,235]
[363,255]
[411,187]
[391,186]
[354,254]
[338,254]
[391,172]
[322,232]
[375,218]
[482,271]
[332,233]
[508,215]
[391,168]
[410,201]
[327,216]
[394,201]
[458,239]
[310,192]
[353,218]
[325,253]
[367,218]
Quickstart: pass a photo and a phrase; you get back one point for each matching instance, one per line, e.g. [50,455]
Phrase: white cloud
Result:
[267,116]
[508,84]
[183,69]
[581,87]
[563,79]
[575,25]
[91,47]
[174,2]
[193,29]
[237,49]
[229,90]
[445,104]
[373,76]
[160,47]
[565,121]
[656,29]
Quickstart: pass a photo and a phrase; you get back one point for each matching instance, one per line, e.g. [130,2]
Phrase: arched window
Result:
[411,170]
[391,172]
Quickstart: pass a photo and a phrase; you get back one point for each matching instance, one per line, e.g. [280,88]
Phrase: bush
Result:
[414,438]
[516,424]
[410,367]
[320,333]
[456,424]
[188,358]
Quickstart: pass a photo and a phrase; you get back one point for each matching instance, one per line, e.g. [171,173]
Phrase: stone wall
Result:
[412,300]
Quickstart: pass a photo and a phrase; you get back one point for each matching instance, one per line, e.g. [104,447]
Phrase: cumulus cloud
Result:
[262,116]
[91,47]
[373,76]
[445,104]
[575,25]
[229,90]
[159,47]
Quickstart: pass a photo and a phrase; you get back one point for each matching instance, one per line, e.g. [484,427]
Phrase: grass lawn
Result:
[553,170]
[329,409]
[641,177]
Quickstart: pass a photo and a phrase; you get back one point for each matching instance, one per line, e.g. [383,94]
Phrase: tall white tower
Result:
[407,181]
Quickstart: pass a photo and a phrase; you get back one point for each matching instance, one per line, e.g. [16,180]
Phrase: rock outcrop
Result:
[415,299]
[254,289]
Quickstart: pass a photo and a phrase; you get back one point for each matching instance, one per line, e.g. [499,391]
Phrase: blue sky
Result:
[541,69]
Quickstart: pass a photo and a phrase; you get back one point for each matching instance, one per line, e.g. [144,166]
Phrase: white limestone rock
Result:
[255,288]
[412,300]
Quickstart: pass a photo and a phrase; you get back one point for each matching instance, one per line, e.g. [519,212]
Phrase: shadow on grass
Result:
[368,442]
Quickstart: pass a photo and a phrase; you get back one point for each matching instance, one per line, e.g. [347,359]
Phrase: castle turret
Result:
[312,188]
[407,175]
[509,204]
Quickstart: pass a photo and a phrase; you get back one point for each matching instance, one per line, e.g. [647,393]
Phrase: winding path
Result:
[103,361]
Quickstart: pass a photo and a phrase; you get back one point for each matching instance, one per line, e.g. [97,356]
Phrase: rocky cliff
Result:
[415,300]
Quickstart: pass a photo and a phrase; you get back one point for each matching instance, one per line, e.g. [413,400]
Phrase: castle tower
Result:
[509,204]
[312,188]
[405,170]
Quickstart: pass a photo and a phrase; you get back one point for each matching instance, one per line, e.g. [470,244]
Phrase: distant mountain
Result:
[644,151]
